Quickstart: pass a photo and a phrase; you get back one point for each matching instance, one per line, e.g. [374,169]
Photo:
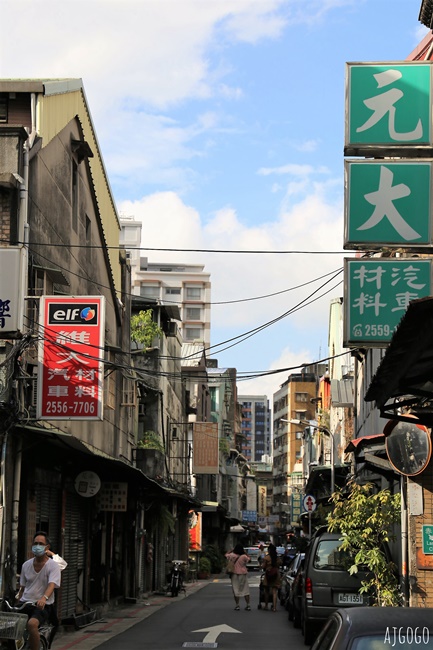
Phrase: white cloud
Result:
[269,384]
[308,146]
[313,223]
[293,169]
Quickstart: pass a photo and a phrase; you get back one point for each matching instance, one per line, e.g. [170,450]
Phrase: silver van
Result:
[254,554]
[327,584]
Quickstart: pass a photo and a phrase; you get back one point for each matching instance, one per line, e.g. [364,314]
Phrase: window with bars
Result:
[193,313]
[193,293]
[128,392]
[110,384]
[192,333]
[3,110]
[149,291]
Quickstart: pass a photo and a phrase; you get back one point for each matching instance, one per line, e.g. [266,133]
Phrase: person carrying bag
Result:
[236,568]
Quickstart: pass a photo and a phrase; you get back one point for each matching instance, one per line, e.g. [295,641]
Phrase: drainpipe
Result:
[23,236]
[404,543]
[3,510]
[16,506]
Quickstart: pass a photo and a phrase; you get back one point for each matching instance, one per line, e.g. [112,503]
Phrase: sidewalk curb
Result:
[120,619]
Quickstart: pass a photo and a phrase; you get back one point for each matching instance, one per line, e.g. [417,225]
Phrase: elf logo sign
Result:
[71,358]
[71,313]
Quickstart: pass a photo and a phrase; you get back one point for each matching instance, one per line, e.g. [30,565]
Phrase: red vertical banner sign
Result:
[195,531]
[71,365]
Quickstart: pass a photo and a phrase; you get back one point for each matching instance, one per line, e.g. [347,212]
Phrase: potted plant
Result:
[204,567]
[149,455]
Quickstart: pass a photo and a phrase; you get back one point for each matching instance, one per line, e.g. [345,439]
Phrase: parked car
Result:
[327,584]
[253,553]
[294,597]
[376,628]
[288,577]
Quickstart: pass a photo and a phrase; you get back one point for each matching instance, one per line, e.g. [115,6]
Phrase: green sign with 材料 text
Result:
[427,539]
[377,292]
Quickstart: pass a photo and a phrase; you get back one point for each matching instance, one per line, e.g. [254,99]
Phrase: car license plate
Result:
[350,599]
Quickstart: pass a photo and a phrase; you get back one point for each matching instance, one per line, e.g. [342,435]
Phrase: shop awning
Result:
[406,370]
[123,469]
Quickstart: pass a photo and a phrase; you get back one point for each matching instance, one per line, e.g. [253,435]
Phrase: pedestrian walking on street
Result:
[272,580]
[238,561]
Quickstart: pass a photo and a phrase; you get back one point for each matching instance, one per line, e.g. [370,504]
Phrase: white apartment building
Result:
[184,285]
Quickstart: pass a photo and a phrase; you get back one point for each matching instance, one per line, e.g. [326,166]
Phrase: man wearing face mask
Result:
[39,577]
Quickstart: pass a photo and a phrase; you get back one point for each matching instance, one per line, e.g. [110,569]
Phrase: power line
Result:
[184,250]
[174,302]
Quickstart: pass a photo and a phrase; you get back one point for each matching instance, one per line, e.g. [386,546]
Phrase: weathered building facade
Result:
[76,479]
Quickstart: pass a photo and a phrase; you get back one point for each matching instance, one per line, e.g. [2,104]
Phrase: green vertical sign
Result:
[427,539]
[388,203]
[388,104]
[296,506]
[377,293]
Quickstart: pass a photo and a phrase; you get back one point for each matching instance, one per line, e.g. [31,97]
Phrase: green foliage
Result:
[161,518]
[365,520]
[144,329]
[224,446]
[151,440]
[204,565]
[216,558]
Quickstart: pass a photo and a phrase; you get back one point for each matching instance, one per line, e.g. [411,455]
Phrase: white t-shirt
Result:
[35,583]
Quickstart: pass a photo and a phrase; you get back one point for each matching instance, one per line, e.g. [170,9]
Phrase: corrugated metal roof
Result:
[342,392]
[192,353]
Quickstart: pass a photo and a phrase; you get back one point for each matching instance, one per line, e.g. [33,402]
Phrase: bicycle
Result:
[13,629]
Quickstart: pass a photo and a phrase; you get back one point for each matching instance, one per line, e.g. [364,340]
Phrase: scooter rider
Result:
[39,577]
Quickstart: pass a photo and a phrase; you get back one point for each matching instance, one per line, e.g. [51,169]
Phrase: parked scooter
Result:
[176,577]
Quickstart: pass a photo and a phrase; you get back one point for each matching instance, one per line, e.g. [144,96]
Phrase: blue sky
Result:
[221,124]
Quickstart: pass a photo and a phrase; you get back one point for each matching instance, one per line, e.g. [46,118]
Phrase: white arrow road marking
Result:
[214,632]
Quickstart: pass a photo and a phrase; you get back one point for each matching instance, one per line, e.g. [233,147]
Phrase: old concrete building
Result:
[74,477]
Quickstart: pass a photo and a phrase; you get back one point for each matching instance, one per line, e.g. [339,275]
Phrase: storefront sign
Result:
[388,104]
[376,295]
[113,497]
[70,376]
[87,484]
[11,294]
[249,515]
[388,203]
[262,498]
[205,448]
[427,539]
[195,530]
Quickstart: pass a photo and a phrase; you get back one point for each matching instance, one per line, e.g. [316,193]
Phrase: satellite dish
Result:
[408,446]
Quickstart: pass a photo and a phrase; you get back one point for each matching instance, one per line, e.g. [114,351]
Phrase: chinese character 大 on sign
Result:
[377,293]
[70,377]
[388,203]
[388,104]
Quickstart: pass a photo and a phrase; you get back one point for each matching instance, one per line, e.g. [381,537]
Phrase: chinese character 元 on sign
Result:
[383,104]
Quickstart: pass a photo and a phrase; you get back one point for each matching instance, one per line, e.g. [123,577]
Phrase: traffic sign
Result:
[309,503]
